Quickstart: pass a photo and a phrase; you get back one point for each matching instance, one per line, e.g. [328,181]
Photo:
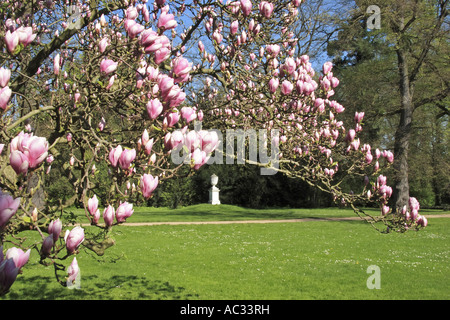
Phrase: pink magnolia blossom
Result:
[19,257]
[5,95]
[126,157]
[147,142]
[176,139]
[327,66]
[8,273]
[355,144]
[47,245]
[234,27]
[56,64]
[414,207]
[334,82]
[162,55]
[26,35]
[377,153]
[389,156]
[148,184]
[180,69]
[19,162]
[152,44]
[148,37]
[217,36]
[210,141]
[102,124]
[114,155]
[152,73]
[192,140]
[188,114]
[133,28]
[350,135]
[199,115]
[172,93]
[12,40]
[172,119]
[146,13]
[167,139]
[414,204]
[154,108]
[108,215]
[103,44]
[273,84]
[27,151]
[385,191]
[201,46]
[92,205]
[5,75]
[107,66]
[198,158]
[381,180]
[273,50]
[73,270]
[422,221]
[368,157]
[246,7]
[166,21]
[359,116]
[96,216]
[266,8]
[110,82]
[131,13]
[124,211]
[74,238]
[289,66]
[55,228]
[165,83]
[286,87]
[178,99]
[8,207]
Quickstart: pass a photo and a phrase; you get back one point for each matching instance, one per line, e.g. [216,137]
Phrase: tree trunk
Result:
[402,135]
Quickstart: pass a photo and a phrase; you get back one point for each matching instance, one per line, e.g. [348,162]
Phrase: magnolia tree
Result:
[255,78]
[87,84]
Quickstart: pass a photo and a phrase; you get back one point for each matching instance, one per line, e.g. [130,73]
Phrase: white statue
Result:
[214,191]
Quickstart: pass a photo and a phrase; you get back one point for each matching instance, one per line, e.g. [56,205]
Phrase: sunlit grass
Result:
[207,212]
[284,261]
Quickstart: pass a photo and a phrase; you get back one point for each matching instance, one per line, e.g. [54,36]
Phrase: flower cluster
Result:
[124,211]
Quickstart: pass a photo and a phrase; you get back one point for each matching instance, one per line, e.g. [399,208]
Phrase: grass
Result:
[282,261]
[207,212]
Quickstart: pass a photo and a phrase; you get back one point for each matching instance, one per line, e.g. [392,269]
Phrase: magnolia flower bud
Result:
[148,184]
[74,238]
[108,215]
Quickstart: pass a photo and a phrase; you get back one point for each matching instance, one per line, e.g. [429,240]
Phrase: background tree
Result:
[399,71]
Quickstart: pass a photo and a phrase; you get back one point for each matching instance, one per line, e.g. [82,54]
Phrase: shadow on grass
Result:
[227,212]
[117,288]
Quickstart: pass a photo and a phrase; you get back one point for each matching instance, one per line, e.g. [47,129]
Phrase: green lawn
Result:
[282,261]
[207,212]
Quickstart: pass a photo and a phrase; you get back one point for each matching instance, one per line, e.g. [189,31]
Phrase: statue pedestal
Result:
[214,195]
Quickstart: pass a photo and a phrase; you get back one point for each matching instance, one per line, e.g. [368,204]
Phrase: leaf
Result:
[10,174]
